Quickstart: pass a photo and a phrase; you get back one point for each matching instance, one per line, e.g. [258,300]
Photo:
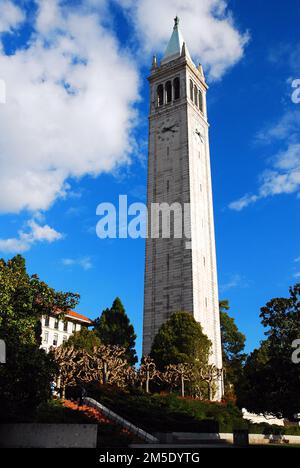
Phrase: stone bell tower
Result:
[181,276]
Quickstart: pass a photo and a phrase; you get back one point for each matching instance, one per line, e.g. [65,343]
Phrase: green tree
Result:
[233,345]
[253,389]
[26,377]
[84,339]
[180,340]
[114,328]
[271,380]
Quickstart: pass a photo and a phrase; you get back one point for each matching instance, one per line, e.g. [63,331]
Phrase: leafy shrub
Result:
[54,412]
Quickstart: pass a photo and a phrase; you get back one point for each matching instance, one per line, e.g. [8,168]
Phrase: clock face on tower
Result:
[198,132]
[200,135]
[168,127]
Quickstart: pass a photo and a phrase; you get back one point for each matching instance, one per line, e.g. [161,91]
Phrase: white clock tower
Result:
[178,278]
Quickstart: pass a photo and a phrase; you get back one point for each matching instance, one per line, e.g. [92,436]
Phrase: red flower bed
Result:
[92,413]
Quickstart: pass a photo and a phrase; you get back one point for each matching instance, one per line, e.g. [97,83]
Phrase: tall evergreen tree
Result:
[233,345]
[114,328]
[180,340]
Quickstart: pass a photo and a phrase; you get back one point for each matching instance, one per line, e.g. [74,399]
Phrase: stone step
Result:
[186,441]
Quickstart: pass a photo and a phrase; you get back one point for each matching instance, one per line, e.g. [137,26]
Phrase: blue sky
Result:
[73,134]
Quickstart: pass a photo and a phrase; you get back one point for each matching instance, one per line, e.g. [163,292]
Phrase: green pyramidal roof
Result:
[174,47]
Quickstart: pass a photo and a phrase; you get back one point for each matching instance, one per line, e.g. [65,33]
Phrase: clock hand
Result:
[169,129]
[199,135]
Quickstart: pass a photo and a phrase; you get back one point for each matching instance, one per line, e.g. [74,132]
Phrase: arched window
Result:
[191,90]
[200,101]
[168,91]
[196,95]
[160,95]
[176,84]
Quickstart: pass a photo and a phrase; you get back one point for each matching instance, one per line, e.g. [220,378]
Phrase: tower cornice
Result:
[162,72]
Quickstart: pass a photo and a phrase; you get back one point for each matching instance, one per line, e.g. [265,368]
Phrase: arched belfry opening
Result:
[168,92]
[160,95]
[176,85]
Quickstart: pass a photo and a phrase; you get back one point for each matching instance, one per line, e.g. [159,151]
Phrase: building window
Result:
[204,261]
[56,324]
[191,90]
[200,101]
[73,327]
[160,95]
[168,151]
[176,84]
[46,321]
[65,338]
[168,262]
[168,185]
[65,326]
[206,302]
[168,92]
[196,95]
[46,337]
[55,339]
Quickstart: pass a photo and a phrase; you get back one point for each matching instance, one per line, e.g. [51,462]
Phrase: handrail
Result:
[121,421]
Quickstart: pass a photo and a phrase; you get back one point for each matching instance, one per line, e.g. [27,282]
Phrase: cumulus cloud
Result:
[283,177]
[35,233]
[10,16]
[85,262]
[69,111]
[207,25]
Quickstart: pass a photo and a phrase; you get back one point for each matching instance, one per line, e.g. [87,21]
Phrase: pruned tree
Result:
[131,376]
[147,372]
[66,359]
[110,364]
[210,374]
[178,374]
[85,367]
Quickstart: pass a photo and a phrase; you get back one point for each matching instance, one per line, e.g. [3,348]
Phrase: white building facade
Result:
[178,278]
[55,331]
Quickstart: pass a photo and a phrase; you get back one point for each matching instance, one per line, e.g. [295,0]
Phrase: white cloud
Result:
[297,259]
[85,262]
[35,233]
[287,127]
[70,107]
[10,16]
[208,28]
[297,275]
[242,202]
[234,281]
[283,177]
